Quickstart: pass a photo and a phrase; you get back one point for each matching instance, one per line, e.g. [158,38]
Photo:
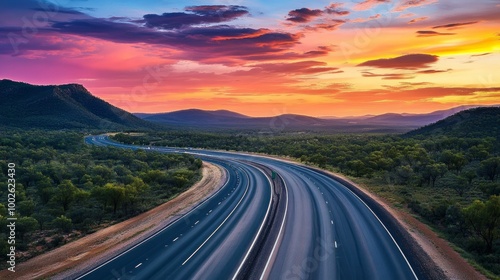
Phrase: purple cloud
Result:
[195,15]
[303,15]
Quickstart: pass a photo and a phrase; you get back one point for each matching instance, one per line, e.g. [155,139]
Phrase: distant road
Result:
[323,230]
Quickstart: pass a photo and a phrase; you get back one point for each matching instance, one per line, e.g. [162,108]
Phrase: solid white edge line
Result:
[390,235]
[394,240]
[280,233]
[223,222]
[156,233]
[260,228]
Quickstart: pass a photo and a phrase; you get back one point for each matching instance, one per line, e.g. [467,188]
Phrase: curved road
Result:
[326,231]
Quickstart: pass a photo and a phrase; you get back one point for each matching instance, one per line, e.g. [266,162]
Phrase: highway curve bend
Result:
[271,220]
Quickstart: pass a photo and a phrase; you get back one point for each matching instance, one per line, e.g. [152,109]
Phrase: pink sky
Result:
[321,59]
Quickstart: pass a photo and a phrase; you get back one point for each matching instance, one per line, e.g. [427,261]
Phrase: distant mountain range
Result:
[72,107]
[60,107]
[224,119]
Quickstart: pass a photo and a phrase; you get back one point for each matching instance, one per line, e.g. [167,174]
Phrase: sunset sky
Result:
[260,58]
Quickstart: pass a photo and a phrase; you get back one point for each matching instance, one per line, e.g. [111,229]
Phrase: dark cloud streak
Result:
[409,61]
[430,33]
[454,25]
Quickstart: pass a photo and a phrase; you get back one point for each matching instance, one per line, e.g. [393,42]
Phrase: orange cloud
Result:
[368,4]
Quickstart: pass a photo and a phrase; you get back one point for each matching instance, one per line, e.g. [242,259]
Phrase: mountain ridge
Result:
[475,122]
[60,107]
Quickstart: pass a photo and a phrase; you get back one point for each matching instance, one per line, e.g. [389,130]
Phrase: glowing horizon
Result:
[261,59]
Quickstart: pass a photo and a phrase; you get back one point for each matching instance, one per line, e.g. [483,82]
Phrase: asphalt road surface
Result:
[325,231]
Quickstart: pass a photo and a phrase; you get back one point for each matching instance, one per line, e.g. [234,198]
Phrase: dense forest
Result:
[65,189]
[452,183]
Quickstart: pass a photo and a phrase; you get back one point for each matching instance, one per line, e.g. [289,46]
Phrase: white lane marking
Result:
[197,222]
[335,244]
[138,265]
[279,235]
[206,240]
[261,225]
[175,239]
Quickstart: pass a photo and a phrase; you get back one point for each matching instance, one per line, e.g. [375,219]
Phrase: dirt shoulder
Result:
[66,261]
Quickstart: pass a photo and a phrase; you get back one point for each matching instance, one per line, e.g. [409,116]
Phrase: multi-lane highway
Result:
[324,230]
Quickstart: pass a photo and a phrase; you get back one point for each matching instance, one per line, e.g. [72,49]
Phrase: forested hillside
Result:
[60,107]
[478,122]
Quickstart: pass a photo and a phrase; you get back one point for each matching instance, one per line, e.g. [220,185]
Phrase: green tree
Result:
[467,177]
[45,189]
[42,219]
[454,161]
[63,223]
[490,168]
[357,166]
[99,193]
[25,225]
[484,220]
[403,174]
[26,207]
[65,194]
[434,171]
[378,161]
[479,152]
[133,190]
[490,188]
[115,195]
